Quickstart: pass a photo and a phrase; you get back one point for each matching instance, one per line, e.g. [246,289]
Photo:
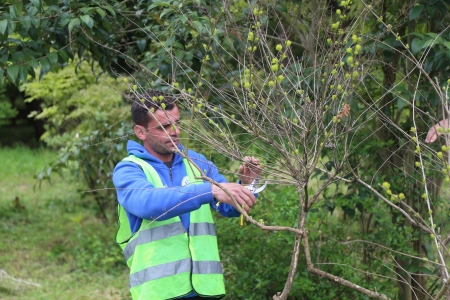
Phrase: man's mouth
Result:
[172,142]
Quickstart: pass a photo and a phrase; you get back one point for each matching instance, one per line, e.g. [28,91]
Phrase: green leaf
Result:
[437,39]
[36,22]
[416,45]
[198,26]
[349,211]
[3,25]
[73,23]
[141,44]
[415,34]
[178,45]
[31,72]
[80,51]
[45,64]
[110,9]
[18,6]
[401,103]
[82,39]
[426,271]
[51,2]
[23,73]
[447,44]
[53,58]
[428,66]
[29,53]
[384,46]
[433,98]
[64,22]
[431,10]
[32,11]
[281,8]
[170,41]
[179,54]
[33,33]
[415,12]
[4,58]
[12,12]
[429,42]
[158,4]
[12,72]
[439,55]
[87,20]
[64,56]
[86,10]
[69,52]
[228,42]
[183,19]
[26,22]
[106,24]
[36,3]
[165,12]
[33,63]
[101,12]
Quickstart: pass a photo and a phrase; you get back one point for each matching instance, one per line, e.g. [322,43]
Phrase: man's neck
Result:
[166,158]
[169,164]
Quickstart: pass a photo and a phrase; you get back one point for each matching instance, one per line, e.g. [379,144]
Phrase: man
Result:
[165,224]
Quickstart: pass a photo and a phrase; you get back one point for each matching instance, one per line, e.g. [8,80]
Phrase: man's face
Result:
[162,134]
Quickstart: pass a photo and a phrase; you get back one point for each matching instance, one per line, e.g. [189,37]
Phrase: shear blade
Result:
[258,190]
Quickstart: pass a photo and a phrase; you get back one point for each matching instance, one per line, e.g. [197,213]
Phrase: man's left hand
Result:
[249,170]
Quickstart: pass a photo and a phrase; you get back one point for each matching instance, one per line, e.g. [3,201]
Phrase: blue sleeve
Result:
[212,172]
[137,195]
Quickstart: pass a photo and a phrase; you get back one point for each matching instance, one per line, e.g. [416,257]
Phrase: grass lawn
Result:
[52,245]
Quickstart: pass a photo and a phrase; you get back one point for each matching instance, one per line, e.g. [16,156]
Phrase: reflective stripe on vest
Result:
[161,232]
[165,262]
[172,268]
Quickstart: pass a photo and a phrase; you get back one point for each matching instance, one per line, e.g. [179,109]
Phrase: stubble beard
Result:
[163,149]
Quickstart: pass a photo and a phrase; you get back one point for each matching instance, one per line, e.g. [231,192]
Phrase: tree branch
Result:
[337,279]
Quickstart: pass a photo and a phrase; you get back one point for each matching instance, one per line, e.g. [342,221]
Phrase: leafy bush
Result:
[86,118]
[7,111]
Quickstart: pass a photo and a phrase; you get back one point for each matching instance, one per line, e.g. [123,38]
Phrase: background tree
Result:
[84,115]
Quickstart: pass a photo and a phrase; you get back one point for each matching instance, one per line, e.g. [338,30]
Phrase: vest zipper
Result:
[192,262]
[170,172]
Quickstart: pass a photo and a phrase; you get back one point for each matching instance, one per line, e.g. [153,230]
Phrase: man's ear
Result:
[140,132]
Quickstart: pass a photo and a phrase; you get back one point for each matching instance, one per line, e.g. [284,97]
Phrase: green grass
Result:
[53,246]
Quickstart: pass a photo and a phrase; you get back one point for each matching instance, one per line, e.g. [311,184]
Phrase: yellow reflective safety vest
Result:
[166,261]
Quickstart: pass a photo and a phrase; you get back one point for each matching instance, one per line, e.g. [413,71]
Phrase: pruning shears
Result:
[254,186]
[255,189]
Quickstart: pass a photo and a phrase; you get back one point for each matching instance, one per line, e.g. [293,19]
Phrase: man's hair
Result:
[150,100]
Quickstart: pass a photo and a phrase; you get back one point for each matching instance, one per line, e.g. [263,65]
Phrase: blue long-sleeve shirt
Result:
[141,200]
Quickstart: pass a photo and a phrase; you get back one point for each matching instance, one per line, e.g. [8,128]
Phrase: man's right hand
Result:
[242,195]
[433,133]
